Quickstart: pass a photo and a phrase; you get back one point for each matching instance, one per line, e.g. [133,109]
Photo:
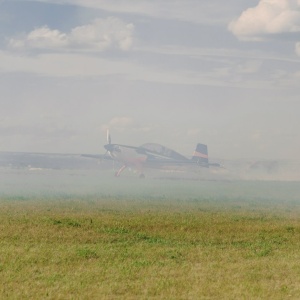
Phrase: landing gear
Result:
[118,173]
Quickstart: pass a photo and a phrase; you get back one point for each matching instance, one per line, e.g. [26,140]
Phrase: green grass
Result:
[106,247]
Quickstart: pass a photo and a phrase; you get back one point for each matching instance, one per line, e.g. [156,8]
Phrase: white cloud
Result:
[41,38]
[103,33]
[99,35]
[268,17]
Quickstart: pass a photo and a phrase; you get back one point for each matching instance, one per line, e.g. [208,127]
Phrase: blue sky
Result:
[172,72]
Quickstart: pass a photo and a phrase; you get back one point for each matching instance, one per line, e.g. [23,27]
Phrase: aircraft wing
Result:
[96,156]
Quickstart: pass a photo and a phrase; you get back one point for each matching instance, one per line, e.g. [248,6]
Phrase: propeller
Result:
[108,138]
[109,146]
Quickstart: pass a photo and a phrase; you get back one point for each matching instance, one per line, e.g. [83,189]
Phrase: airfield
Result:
[70,230]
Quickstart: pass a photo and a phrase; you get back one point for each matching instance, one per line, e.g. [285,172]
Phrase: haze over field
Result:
[225,73]
[173,72]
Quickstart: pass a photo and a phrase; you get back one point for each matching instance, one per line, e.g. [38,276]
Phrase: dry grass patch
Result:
[125,249]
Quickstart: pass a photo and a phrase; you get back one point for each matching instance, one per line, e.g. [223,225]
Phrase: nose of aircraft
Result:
[109,147]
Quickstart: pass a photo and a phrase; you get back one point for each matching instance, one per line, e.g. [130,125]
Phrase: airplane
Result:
[152,155]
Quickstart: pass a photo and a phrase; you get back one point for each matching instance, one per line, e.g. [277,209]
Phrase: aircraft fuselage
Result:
[126,155]
[153,155]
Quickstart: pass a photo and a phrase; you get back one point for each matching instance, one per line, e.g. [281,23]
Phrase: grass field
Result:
[161,240]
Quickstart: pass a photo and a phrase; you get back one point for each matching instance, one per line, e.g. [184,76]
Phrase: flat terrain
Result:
[81,237]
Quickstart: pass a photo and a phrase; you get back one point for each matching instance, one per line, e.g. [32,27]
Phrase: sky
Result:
[224,73]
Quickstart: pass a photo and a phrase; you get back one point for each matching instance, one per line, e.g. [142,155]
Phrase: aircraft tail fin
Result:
[201,155]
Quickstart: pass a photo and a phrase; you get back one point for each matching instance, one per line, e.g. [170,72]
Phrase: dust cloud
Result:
[51,176]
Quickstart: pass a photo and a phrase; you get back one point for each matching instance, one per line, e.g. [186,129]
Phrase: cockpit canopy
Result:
[163,151]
